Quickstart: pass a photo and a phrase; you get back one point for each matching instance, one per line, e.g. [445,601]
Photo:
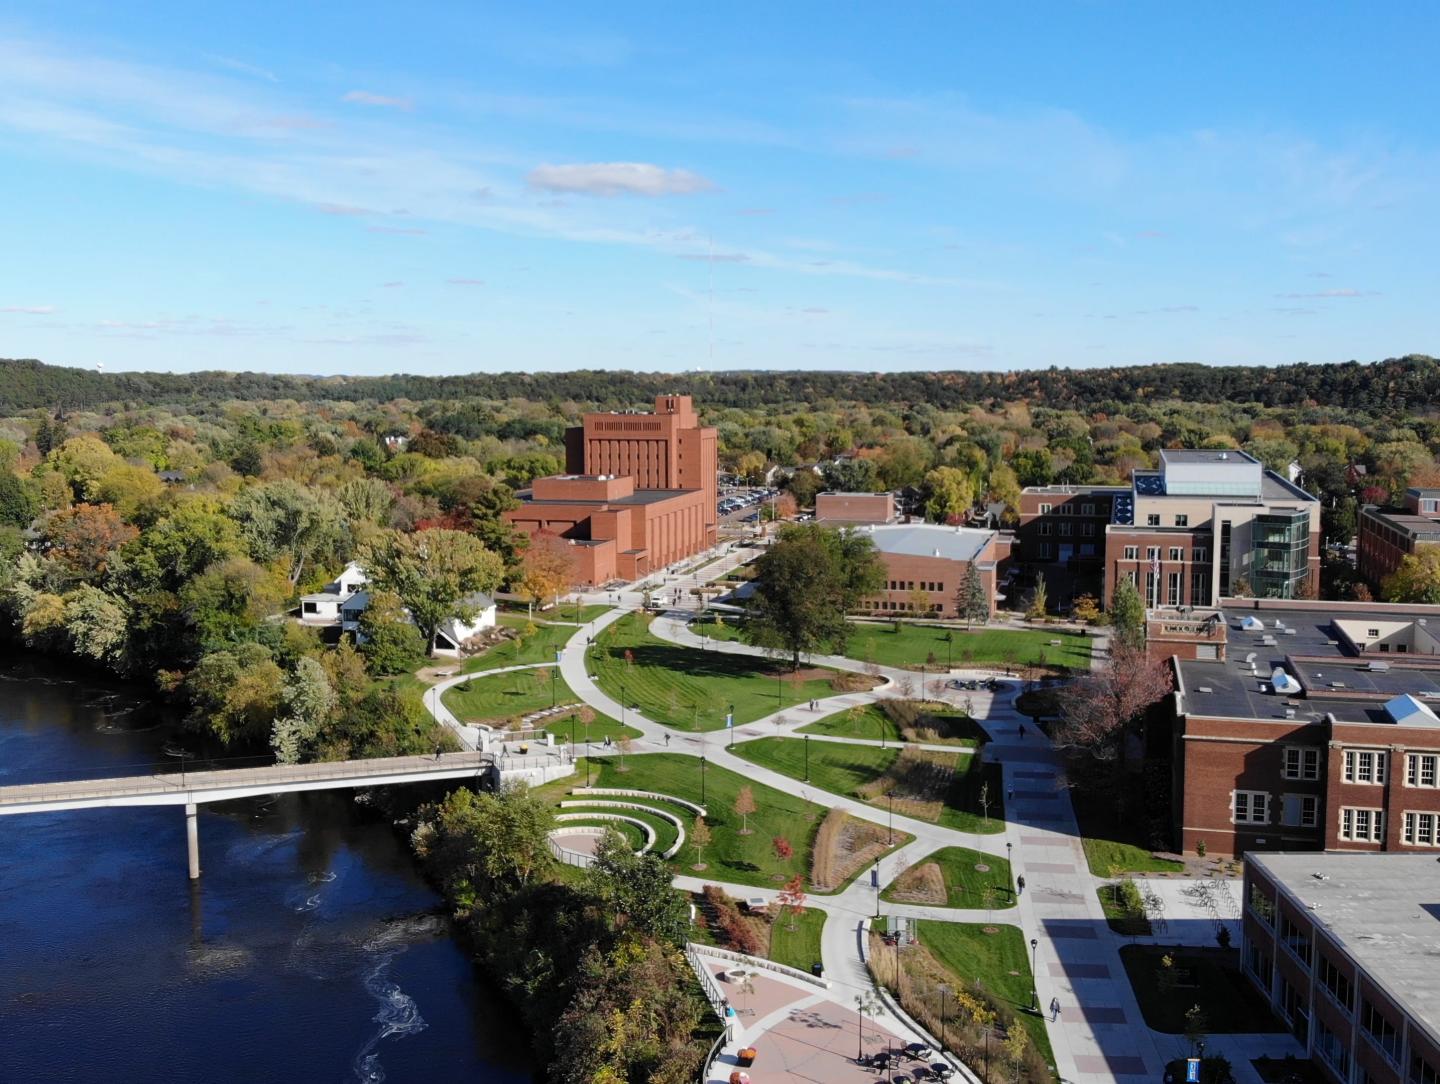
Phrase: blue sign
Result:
[729,719]
[1192,1071]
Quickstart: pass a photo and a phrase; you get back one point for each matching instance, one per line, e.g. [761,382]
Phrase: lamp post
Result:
[949,646]
[922,681]
[892,816]
[730,724]
[553,673]
[807,758]
[944,994]
[702,779]
[877,889]
[1034,989]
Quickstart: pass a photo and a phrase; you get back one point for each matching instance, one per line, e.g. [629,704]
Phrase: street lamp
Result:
[1034,979]
[730,724]
[944,994]
[892,816]
[702,779]
[553,673]
[807,758]
[876,879]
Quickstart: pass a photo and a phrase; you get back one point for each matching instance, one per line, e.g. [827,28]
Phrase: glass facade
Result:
[1280,561]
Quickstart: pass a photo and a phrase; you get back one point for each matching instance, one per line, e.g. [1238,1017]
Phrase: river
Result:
[310,950]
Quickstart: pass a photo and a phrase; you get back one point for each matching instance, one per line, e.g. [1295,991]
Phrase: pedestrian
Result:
[437,750]
[1054,1009]
[1020,885]
[667,737]
[1022,731]
[1009,791]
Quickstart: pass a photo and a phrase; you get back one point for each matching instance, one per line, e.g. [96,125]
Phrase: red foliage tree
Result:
[783,849]
[83,537]
[1098,710]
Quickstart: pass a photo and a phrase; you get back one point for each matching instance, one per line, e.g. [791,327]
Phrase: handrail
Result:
[769,965]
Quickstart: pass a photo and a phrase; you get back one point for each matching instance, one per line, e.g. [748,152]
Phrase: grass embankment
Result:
[498,699]
[934,723]
[952,877]
[1209,978]
[732,857]
[1108,858]
[521,649]
[942,788]
[799,947]
[690,688]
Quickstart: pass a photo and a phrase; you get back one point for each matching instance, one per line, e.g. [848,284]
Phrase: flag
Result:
[729,719]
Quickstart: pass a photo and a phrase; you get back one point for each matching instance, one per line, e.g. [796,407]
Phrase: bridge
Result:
[194,788]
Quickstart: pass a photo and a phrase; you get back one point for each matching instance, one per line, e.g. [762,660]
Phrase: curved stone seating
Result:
[649,832]
[669,818]
[621,792]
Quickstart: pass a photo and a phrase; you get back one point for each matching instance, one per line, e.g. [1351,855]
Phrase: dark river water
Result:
[310,950]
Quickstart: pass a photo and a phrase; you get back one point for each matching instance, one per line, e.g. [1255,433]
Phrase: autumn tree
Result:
[547,568]
[1127,615]
[1099,710]
[82,538]
[699,839]
[434,573]
[1417,579]
[744,807]
[783,848]
[791,899]
[287,522]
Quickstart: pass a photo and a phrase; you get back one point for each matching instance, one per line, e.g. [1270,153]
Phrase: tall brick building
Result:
[1304,725]
[640,492]
[1198,528]
[1386,536]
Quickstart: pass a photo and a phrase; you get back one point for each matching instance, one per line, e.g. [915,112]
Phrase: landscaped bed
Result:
[845,845]
[1209,978]
[955,877]
[952,789]
[1109,858]
[692,689]
[520,649]
[1124,909]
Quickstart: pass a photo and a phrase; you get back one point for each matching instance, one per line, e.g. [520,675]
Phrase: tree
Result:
[1098,710]
[496,840]
[904,461]
[1085,609]
[235,693]
[699,839]
[365,501]
[285,521]
[230,599]
[744,807]
[82,461]
[18,503]
[1039,600]
[1417,579]
[626,744]
[791,899]
[972,602]
[388,639]
[547,567]
[917,601]
[950,492]
[636,889]
[193,535]
[805,585]
[849,475]
[803,485]
[82,538]
[434,573]
[1197,1025]
[307,702]
[129,488]
[1127,615]
[1016,1047]
[97,624]
[783,848]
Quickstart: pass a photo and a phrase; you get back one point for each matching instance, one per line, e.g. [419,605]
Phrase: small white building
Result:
[324,606]
[453,633]
[342,601]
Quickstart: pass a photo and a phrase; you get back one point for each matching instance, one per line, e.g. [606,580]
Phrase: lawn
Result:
[914,645]
[964,884]
[845,769]
[1125,914]
[540,647]
[998,961]
[566,612]
[634,838]
[1209,978]
[801,948]
[1107,858]
[748,859]
[690,688]
[872,722]
[496,698]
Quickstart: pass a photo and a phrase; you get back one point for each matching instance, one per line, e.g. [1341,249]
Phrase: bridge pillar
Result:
[192,841]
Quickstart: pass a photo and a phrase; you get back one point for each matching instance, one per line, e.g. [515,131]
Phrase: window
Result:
[1152,553]
[1176,553]
[1087,530]
[1066,510]
[1372,633]
[1087,509]
[1300,810]
[1046,527]
[1132,553]
[1329,1047]
[1261,905]
[1064,530]
[1422,1072]
[1298,942]
[1045,509]
[1364,766]
[1362,825]
[1182,520]
[1087,549]
[1258,964]
[1380,1031]
[1420,769]
[1044,551]
[1302,763]
[1420,829]
[1251,807]
[1152,520]
[1337,983]
[1200,553]
[1172,589]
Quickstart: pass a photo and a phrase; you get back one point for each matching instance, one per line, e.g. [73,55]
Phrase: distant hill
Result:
[1398,385]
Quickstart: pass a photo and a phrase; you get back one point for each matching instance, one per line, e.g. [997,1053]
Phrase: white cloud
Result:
[385,101]
[1346,292]
[29,310]
[617,179]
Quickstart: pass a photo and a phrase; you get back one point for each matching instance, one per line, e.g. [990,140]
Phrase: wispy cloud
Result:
[29,310]
[242,67]
[1317,294]
[383,101]
[408,231]
[617,179]
[466,282]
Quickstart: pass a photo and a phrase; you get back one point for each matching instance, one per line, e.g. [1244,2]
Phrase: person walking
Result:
[1020,885]
[1009,792]
[1022,731]
[667,738]
[437,750]
[1054,1009]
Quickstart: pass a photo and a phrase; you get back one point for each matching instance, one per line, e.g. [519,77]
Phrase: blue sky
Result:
[373,188]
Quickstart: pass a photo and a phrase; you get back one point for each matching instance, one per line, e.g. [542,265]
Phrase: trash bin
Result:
[817,970]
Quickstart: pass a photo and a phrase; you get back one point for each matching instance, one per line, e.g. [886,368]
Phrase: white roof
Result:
[931,540]
[1405,710]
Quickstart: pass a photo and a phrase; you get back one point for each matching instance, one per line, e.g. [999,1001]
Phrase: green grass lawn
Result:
[566,612]
[540,647]
[690,688]
[964,884]
[1124,910]
[843,769]
[914,644]
[495,698]
[1106,857]
[730,857]
[871,722]
[999,961]
[799,948]
[1209,978]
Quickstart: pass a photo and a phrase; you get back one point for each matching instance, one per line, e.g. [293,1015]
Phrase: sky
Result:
[371,188]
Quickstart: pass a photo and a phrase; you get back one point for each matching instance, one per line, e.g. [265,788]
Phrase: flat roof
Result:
[1405,520]
[853,493]
[1151,483]
[1383,909]
[924,539]
[640,496]
[1205,455]
[1076,491]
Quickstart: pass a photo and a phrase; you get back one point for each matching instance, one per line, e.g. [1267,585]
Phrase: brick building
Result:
[1304,725]
[1385,536]
[1187,534]
[934,560]
[848,509]
[640,492]
[1343,947]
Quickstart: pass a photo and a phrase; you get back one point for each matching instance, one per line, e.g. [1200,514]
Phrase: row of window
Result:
[898,607]
[1364,766]
[1086,509]
[1177,553]
[910,585]
[1152,519]
[1087,530]
[1357,823]
[1087,549]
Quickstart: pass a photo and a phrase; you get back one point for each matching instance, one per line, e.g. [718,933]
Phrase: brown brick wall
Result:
[903,570]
